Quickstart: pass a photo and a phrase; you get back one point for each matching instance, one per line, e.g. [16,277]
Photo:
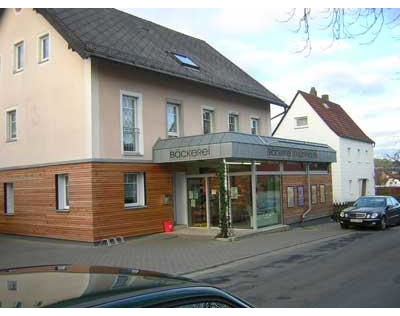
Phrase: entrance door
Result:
[363,187]
[197,209]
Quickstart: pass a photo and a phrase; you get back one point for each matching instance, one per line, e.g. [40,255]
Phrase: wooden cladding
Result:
[322,207]
[96,198]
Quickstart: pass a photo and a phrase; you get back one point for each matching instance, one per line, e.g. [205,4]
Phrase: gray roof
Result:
[121,37]
[246,146]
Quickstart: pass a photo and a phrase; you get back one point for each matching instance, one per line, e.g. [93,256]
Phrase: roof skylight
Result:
[185,61]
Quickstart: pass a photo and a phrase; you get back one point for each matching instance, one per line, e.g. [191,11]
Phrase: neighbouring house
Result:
[318,119]
[112,125]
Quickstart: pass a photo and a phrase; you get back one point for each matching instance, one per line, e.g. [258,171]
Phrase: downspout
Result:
[303,216]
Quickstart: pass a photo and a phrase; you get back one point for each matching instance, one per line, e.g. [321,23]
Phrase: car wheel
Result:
[383,225]
[344,226]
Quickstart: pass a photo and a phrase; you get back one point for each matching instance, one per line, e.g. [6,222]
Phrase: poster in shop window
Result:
[300,196]
[234,193]
[314,194]
[290,196]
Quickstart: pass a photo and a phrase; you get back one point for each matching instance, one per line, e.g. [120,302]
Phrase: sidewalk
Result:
[161,252]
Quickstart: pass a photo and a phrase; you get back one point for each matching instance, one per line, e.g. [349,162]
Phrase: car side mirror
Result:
[388,207]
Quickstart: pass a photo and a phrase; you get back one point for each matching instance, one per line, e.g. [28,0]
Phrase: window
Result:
[314,194]
[130,130]
[62,188]
[208,121]
[19,57]
[233,122]
[359,154]
[294,166]
[44,48]
[173,113]
[290,196]
[319,166]
[185,61]
[322,197]
[9,198]
[350,186]
[301,121]
[134,189]
[254,129]
[349,154]
[11,121]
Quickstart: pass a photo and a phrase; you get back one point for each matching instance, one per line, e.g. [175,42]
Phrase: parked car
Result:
[95,286]
[371,211]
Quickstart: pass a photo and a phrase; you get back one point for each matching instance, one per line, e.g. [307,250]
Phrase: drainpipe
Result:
[303,216]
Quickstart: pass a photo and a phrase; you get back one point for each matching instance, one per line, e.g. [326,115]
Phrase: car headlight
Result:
[341,214]
[374,215]
[368,215]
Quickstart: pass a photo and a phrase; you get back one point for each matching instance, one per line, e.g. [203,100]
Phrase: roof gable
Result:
[335,118]
[119,36]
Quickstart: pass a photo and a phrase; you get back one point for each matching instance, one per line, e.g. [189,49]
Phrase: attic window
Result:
[185,61]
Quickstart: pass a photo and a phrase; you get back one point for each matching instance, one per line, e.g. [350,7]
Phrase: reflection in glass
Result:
[268,200]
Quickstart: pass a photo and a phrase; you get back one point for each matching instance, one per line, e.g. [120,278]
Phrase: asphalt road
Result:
[359,269]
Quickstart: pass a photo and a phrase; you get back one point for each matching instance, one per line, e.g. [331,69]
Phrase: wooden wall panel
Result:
[110,216]
[35,203]
[293,214]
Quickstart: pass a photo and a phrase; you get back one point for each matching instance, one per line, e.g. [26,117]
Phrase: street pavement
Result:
[361,269]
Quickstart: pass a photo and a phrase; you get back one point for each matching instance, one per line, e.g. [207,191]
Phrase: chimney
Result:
[325,97]
[313,91]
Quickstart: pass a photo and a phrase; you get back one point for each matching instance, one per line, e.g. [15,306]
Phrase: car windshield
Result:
[370,202]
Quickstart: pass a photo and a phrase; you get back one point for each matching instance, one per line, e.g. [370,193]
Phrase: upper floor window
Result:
[208,121]
[233,122]
[359,155]
[254,126]
[44,48]
[349,154]
[130,130]
[19,52]
[173,117]
[301,121]
[11,121]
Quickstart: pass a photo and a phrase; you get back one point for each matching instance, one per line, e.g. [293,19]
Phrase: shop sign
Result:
[292,154]
[190,153]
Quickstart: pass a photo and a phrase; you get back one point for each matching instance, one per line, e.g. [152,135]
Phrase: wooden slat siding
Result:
[293,214]
[110,216]
[35,203]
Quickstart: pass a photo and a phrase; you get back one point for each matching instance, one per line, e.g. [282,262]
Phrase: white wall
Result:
[342,170]
[355,167]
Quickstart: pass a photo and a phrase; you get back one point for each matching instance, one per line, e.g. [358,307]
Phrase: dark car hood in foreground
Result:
[354,209]
[70,285]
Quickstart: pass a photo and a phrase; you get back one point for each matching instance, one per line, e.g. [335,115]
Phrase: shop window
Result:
[268,196]
[234,166]
[294,166]
[268,166]
[319,167]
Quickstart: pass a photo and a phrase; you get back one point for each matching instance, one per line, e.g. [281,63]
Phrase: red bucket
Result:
[168,226]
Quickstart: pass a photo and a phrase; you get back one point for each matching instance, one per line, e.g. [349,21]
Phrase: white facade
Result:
[355,159]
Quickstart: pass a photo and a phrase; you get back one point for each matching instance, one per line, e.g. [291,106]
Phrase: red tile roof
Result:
[336,118]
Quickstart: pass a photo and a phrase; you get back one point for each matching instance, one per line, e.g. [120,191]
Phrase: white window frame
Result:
[16,56]
[178,117]
[40,47]
[236,115]
[63,192]
[9,199]
[140,190]
[139,123]
[349,154]
[297,119]
[212,118]
[257,120]
[8,125]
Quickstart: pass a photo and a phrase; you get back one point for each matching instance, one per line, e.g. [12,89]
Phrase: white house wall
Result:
[318,131]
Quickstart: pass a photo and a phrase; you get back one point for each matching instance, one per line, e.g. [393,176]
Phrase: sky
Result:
[363,78]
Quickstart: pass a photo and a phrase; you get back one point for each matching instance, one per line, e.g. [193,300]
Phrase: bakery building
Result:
[114,125]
